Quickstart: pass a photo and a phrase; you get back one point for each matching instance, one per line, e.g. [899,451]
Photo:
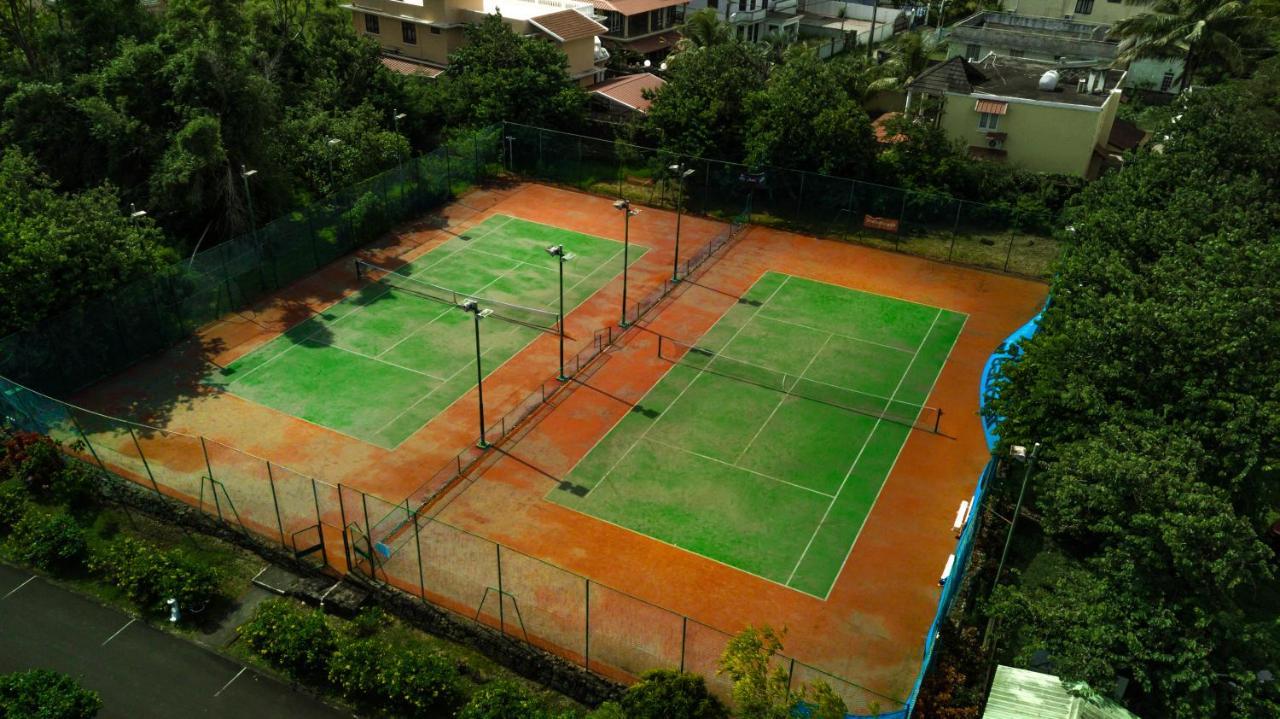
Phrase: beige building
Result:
[647,28]
[422,34]
[1099,11]
[1034,115]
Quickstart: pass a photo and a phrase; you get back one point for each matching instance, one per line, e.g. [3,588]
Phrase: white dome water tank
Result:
[1049,81]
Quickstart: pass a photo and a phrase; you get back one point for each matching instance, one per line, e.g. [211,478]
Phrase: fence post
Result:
[684,636]
[800,202]
[791,670]
[368,537]
[448,173]
[417,545]
[540,131]
[87,443]
[502,622]
[586,639]
[1008,253]
[143,457]
[848,225]
[342,513]
[271,482]
[475,150]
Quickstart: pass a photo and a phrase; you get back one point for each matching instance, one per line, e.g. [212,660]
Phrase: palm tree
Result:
[704,28]
[1194,31]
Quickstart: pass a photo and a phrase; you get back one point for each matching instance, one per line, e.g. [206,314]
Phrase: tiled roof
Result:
[628,90]
[635,7]
[406,67]
[568,25]
[954,75]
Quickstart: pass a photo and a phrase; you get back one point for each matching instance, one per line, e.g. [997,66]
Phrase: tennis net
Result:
[402,281]
[704,359]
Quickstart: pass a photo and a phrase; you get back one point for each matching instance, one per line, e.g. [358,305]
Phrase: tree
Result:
[43,694]
[804,119]
[704,28]
[701,110]
[498,75]
[760,689]
[1151,386]
[1198,32]
[664,694]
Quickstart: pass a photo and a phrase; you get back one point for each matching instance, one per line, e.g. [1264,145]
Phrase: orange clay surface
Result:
[871,627]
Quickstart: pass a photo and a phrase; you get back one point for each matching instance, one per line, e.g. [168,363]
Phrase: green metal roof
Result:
[1024,694]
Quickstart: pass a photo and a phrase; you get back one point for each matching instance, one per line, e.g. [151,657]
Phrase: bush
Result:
[501,700]
[76,486]
[666,694]
[42,694]
[293,638]
[149,576]
[13,504]
[356,670]
[31,458]
[49,541]
[416,682]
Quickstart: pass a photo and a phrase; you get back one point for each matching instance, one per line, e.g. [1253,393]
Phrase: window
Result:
[613,22]
[988,121]
[409,33]
[971,52]
[1016,52]
[1084,7]
[713,4]
[371,24]
[1166,82]
[755,33]
[435,30]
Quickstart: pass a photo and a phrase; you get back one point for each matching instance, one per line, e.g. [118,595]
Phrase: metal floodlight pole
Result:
[396,117]
[1017,509]
[558,252]
[681,175]
[627,212]
[473,307]
[245,174]
[332,143]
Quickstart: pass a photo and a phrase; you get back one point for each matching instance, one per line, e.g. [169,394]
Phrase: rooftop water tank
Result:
[1049,81]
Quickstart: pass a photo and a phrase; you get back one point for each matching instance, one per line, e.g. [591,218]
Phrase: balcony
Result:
[747,17]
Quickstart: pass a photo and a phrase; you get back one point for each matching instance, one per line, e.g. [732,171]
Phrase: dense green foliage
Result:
[1207,35]
[665,694]
[43,694]
[149,576]
[13,505]
[499,700]
[52,541]
[1152,384]
[298,640]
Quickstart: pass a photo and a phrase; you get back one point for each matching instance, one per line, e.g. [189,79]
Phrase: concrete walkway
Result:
[139,671]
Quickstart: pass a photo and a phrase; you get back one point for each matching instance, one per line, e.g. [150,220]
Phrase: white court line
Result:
[736,466]
[901,448]
[121,629]
[837,334]
[782,397]
[224,686]
[865,444]
[20,586]
[675,401]
[778,371]
[510,259]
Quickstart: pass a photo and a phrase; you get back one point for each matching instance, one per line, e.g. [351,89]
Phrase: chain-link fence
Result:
[107,334]
[927,224]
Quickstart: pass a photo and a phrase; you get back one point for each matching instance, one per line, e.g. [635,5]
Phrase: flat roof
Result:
[529,9]
[1015,78]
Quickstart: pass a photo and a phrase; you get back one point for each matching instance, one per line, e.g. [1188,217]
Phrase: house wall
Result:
[1040,137]
[1102,11]
[581,54]
[431,47]
[1149,74]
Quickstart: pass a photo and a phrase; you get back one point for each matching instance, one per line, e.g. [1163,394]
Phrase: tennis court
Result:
[385,360]
[766,444]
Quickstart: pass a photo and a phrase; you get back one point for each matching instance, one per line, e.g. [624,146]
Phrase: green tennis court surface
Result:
[765,446]
[382,362]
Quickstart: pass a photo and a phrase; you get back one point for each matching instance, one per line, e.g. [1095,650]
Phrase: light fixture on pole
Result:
[135,214]
[627,212]
[396,117]
[331,144]
[681,174]
[245,174]
[558,251]
[1018,453]
[470,305]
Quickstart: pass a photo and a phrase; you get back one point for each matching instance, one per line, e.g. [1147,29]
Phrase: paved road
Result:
[140,671]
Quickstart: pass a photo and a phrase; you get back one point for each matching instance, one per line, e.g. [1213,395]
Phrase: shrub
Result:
[356,670]
[76,486]
[31,458]
[416,682]
[42,694]
[149,576]
[608,710]
[666,694]
[13,504]
[49,541]
[501,700]
[369,622]
[291,637]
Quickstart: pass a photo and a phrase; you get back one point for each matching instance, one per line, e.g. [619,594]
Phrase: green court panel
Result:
[383,362]
[728,458]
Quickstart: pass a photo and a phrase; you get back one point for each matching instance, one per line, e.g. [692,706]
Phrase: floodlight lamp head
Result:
[556,250]
[621,204]
[246,173]
[673,168]
[1018,451]
[567,256]
[470,305]
[334,142]
[484,313]
[400,116]
[137,214]
[687,172]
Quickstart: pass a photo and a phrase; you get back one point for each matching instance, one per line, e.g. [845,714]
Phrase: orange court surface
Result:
[866,635]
